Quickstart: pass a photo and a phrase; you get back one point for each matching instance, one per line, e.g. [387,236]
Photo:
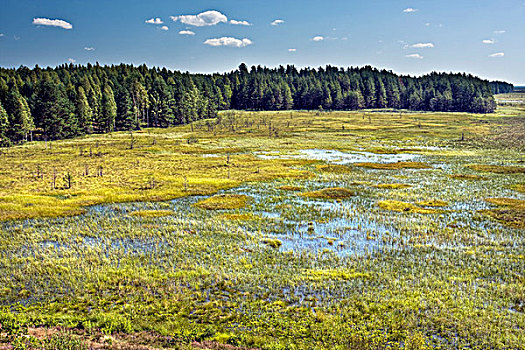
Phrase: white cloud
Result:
[497,54]
[186,32]
[410,10]
[71,60]
[489,41]
[414,55]
[292,50]
[318,38]
[228,41]
[1,35]
[154,21]
[52,22]
[207,18]
[423,45]
[242,23]
[499,32]
[164,28]
[89,48]
[427,24]
[277,22]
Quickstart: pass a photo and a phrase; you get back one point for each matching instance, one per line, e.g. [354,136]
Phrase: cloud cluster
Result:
[71,60]
[414,55]
[489,41]
[52,23]
[423,45]
[410,10]
[89,48]
[164,28]
[206,18]
[228,41]
[277,22]
[241,23]
[154,21]
[292,50]
[186,32]
[497,54]
[318,38]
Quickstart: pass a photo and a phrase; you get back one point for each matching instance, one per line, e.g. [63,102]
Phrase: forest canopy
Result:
[72,100]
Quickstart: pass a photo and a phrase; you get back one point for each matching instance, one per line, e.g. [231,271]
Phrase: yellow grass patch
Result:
[392,186]
[511,214]
[497,169]
[466,177]
[432,203]
[329,193]
[334,168]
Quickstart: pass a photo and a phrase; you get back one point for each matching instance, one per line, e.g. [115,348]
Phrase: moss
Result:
[403,207]
[290,188]
[223,202]
[152,213]
[392,186]
[394,166]
[432,203]
[466,177]
[497,169]
[329,193]
[334,168]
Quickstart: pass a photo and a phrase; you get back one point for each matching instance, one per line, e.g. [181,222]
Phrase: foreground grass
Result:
[296,253]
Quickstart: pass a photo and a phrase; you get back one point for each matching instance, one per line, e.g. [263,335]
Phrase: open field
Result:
[270,230]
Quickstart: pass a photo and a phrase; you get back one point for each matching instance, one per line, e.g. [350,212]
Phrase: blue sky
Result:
[486,38]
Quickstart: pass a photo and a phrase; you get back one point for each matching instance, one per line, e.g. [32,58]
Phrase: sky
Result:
[485,38]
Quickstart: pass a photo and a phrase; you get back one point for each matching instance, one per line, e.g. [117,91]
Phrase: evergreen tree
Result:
[19,115]
[83,112]
[108,111]
[4,127]
[54,113]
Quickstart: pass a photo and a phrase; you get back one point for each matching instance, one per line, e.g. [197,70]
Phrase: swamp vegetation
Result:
[273,230]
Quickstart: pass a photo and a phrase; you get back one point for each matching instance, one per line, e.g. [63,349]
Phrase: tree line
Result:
[501,87]
[72,100]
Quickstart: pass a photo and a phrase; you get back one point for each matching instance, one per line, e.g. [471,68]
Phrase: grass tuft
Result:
[497,169]
[432,203]
[334,168]
[392,186]
[329,193]
[403,207]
